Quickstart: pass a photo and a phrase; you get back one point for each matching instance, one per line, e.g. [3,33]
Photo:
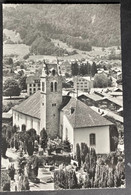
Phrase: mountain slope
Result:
[96,24]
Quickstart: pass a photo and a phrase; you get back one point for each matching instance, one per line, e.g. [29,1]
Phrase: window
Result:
[53,104]
[92,139]
[38,84]
[30,85]
[43,86]
[55,86]
[51,87]
[34,85]
[53,72]
[30,89]
[23,127]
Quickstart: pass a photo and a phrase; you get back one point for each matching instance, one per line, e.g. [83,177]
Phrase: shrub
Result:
[65,179]
[66,145]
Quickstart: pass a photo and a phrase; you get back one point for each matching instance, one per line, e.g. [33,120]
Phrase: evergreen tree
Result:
[22,82]
[93,69]
[44,139]
[74,69]
[78,157]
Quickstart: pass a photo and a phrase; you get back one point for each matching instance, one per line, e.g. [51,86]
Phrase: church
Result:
[65,117]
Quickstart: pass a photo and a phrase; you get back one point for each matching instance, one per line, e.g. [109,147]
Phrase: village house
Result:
[83,83]
[74,120]
[33,84]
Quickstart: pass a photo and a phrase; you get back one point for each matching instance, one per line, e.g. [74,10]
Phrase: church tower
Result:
[51,99]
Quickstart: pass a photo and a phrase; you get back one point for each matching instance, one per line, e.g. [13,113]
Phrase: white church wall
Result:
[19,119]
[36,125]
[102,145]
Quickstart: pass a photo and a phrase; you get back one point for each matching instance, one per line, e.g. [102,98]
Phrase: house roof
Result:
[116,93]
[114,100]
[31,79]
[30,106]
[108,113]
[92,96]
[83,116]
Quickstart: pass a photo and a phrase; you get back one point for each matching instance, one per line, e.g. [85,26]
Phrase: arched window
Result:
[55,86]
[43,86]
[51,87]
[92,139]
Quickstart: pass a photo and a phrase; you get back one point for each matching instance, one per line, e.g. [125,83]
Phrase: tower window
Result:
[43,86]
[92,139]
[55,86]
[53,104]
[53,72]
[51,87]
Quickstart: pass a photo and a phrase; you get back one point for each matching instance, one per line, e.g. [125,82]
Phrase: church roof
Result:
[30,106]
[83,116]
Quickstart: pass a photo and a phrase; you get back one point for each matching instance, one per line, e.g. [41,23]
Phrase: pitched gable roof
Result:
[83,116]
[30,106]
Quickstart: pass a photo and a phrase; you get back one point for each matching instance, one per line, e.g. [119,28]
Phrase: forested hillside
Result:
[80,26]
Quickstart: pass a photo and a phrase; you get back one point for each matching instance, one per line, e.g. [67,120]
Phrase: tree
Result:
[26,56]
[22,82]
[44,139]
[30,147]
[74,69]
[11,88]
[78,157]
[93,69]
[21,73]
[100,81]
